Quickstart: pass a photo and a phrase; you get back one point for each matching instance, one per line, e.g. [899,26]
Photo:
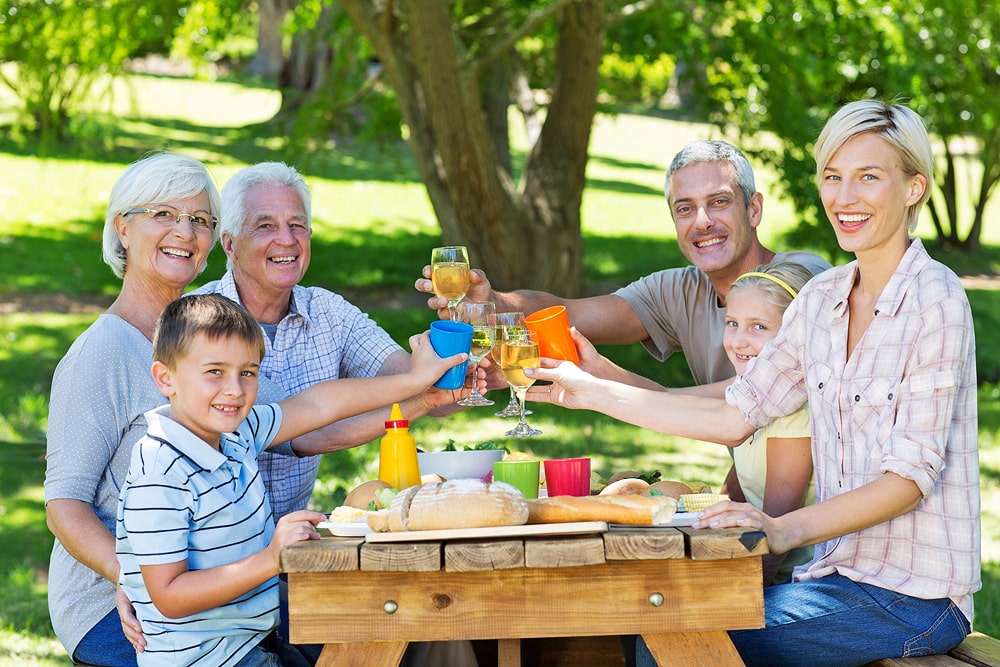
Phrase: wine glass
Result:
[450,274]
[503,322]
[480,316]
[519,351]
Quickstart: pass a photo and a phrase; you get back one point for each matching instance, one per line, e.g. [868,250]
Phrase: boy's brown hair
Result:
[213,315]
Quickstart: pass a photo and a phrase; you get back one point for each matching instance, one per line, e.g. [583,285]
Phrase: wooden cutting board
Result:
[537,529]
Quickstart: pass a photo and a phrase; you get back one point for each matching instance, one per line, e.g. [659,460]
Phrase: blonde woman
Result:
[883,350]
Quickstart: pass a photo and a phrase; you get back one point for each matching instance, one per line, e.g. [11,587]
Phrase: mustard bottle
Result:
[397,461]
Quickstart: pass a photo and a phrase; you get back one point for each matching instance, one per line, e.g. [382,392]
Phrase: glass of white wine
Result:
[450,274]
[480,316]
[517,352]
[513,321]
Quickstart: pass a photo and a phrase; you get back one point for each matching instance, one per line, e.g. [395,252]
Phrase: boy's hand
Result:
[425,364]
[479,291]
[295,527]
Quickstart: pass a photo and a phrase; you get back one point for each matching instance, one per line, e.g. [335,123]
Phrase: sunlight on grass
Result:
[21,649]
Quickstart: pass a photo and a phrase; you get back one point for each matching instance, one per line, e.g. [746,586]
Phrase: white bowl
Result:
[465,464]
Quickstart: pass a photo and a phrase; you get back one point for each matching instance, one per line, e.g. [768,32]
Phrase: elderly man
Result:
[716,210]
[312,334]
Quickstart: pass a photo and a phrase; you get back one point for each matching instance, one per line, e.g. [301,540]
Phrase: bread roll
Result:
[669,488]
[465,503]
[630,486]
[631,509]
[365,493]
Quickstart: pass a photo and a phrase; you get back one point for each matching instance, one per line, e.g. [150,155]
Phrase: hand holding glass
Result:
[520,351]
[450,274]
[480,316]
[513,321]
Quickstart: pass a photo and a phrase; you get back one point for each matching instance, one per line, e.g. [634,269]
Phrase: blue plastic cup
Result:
[449,338]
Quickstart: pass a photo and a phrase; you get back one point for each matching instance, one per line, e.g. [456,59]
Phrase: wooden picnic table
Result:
[680,588]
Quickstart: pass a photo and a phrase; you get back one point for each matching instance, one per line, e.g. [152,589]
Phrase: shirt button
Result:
[820,385]
[857,397]
[890,397]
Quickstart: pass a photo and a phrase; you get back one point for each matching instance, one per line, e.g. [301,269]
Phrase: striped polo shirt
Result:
[183,500]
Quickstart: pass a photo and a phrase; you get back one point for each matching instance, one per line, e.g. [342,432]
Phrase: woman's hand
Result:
[130,624]
[425,364]
[571,387]
[729,514]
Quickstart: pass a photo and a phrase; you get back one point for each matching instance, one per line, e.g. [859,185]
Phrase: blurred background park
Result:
[537,133]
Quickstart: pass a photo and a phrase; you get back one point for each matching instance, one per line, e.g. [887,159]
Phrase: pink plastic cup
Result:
[567,477]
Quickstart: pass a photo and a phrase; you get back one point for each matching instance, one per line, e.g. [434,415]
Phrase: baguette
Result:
[457,503]
[631,509]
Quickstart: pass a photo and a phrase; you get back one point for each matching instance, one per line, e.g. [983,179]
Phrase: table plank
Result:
[504,604]
[711,649]
[476,556]
[329,554]
[643,545]
[401,557]
[361,655]
[724,543]
[564,552]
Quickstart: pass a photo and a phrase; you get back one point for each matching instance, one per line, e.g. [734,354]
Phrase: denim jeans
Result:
[833,621]
[258,657]
[106,645]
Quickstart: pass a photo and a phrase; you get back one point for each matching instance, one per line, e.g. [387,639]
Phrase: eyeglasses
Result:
[171,218]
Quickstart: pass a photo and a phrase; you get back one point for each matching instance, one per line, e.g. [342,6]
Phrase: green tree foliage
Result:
[775,72]
[63,51]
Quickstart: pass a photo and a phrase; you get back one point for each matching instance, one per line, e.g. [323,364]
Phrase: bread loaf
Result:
[457,503]
[631,509]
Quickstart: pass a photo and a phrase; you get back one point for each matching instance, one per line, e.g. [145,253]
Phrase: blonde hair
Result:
[779,281]
[897,125]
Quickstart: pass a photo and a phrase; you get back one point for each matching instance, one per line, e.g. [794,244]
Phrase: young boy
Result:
[196,541]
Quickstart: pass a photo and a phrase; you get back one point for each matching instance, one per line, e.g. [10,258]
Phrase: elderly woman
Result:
[883,350]
[158,231]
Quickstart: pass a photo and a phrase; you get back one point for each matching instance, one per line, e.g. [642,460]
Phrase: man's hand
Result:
[479,291]
[130,624]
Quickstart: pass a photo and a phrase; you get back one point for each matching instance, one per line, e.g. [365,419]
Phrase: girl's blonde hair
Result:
[779,281]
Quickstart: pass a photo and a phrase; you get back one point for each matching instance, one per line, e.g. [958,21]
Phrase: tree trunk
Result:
[527,237]
[270,57]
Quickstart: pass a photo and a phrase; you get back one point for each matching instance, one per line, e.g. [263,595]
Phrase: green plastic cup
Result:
[522,475]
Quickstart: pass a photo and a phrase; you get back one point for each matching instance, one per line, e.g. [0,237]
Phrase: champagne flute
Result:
[520,351]
[450,274]
[515,322]
[480,316]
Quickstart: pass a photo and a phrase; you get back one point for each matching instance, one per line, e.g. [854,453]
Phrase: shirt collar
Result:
[159,425]
[227,288]
[891,298]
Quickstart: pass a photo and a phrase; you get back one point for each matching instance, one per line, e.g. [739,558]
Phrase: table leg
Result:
[681,648]
[369,654]
[508,653]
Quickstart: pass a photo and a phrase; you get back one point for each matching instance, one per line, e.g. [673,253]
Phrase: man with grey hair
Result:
[716,210]
[311,334]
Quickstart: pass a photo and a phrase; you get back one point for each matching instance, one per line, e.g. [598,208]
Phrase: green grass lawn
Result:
[374,229]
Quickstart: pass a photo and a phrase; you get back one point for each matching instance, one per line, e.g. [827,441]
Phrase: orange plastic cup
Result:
[554,340]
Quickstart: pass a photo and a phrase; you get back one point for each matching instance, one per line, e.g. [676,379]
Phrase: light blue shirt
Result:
[323,337]
[183,500]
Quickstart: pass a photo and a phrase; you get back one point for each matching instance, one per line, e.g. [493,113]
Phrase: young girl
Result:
[772,469]
[883,350]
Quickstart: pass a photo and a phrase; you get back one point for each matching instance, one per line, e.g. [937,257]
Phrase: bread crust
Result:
[630,509]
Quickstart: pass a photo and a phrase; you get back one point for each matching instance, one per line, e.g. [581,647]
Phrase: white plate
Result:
[353,529]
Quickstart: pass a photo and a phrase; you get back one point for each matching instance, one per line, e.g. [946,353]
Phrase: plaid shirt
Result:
[905,402]
[323,337]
